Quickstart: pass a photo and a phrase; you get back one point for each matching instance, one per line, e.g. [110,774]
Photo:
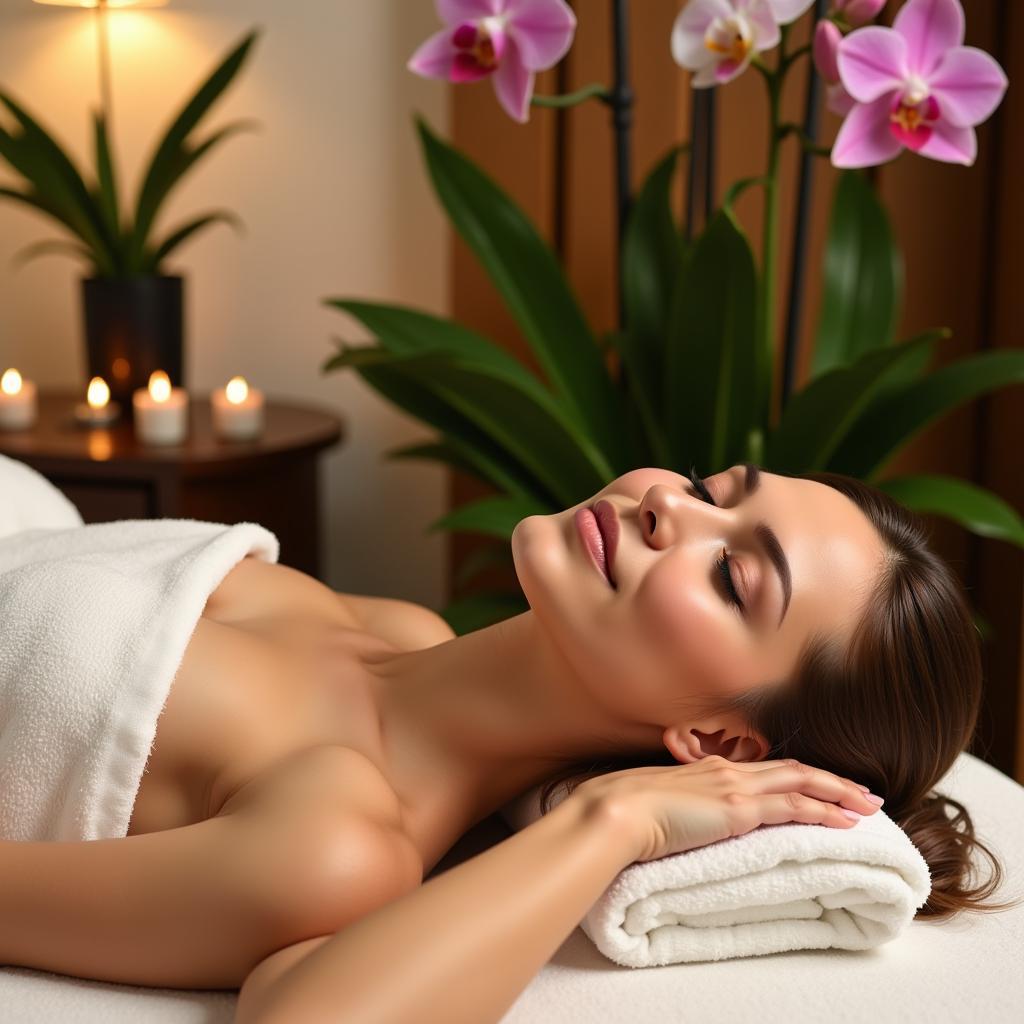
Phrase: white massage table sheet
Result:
[966,970]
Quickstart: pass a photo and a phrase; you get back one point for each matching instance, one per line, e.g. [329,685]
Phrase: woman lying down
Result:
[243,777]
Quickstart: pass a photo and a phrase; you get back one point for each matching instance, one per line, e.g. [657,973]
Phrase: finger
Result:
[814,782]
[750,811]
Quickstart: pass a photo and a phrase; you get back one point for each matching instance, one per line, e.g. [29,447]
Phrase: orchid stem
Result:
[570,99]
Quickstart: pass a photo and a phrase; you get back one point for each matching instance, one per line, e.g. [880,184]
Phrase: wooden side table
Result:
[109,475]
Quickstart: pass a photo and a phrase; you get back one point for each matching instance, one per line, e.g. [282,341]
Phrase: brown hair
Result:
[892,711]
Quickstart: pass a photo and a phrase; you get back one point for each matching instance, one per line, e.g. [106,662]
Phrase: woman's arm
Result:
[464,945]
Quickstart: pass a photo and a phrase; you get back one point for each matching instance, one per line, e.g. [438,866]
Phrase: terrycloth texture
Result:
[94,621]
[776,888]
[28,501]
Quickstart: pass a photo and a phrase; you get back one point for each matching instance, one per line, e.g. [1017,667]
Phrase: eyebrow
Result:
[769,541]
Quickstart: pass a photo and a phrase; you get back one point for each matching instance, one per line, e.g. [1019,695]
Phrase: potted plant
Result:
[132,308]
[695,350]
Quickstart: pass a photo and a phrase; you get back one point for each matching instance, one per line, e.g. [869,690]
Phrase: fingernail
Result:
[865,789]
[874,799]
[851,814]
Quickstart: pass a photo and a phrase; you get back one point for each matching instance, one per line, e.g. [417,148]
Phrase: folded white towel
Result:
[776,888]
[94,621]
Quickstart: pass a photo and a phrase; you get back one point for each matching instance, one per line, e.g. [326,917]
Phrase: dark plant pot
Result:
[133,326]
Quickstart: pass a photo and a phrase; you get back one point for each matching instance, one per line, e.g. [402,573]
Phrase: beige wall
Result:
[335,202]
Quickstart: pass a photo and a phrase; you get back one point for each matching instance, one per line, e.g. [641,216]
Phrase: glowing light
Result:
[10,383]
[159,386]
[98,394]
[236,390]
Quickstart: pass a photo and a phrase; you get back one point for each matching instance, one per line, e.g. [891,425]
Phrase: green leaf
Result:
[399,384]
[433,451]
[650,260]
[533,285]
[495,515]
[533,429]
[652,249]
[818,419]
[57,186]
[467,614]
[106,178]
[454,453]
[480,559]
[401,329]
[908,408]
[171,157]
[713,377]
[151,262]
[48,247]
[863,277]
[975,508]
[737,188]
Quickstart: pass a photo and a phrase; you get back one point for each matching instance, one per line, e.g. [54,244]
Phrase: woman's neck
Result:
[469,724]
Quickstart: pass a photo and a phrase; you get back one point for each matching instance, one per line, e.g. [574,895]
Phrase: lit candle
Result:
[17,401]
[161,411]
[97,410]
[237,410]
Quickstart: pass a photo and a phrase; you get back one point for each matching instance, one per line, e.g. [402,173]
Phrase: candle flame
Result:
[236,390]
[159,386]
[98,394]
[10,383]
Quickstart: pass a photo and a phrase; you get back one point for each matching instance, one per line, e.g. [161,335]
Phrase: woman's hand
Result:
[672,808]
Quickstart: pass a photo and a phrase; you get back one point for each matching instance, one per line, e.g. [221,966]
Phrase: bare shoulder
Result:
[258,590]
[405,624]
[330,816]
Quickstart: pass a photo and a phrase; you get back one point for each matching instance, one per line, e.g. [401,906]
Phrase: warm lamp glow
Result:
[236,390]
[111,4]
[159,386]
[98,394]
[10,383]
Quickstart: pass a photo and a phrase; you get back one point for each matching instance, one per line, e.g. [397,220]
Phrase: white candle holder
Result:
[98,410]
[18,407]
[237,411]
[160,411]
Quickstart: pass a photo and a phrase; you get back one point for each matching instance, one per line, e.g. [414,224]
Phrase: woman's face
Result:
[668,631]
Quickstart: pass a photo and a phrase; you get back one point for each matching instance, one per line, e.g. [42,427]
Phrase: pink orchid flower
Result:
[718,38]
[827,38]
[917,86]
[507,39]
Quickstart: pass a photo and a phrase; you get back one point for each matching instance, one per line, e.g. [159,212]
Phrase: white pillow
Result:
[28,501]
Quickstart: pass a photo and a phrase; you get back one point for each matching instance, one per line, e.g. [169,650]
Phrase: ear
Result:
[688,743]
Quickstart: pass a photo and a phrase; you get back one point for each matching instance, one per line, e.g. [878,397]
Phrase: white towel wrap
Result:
[94,621]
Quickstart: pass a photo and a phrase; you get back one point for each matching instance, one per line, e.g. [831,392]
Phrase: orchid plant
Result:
[695,346]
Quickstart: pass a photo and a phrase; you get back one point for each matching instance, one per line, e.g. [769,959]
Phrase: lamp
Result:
[102,42]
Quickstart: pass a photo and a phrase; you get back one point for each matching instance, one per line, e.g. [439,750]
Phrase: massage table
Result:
[967,969]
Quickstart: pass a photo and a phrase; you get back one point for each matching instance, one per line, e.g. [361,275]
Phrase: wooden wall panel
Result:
[961,248]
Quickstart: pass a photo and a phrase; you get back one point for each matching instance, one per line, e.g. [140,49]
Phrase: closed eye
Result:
[722,563]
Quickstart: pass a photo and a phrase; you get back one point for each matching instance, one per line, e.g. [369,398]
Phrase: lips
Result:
[608,524]
[593,540]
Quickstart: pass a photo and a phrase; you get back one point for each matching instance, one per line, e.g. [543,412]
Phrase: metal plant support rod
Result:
[621,102]
[696,162]
[796,280]
[709,155]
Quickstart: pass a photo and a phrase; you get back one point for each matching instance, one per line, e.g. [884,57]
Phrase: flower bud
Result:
[827,38]
[859,12]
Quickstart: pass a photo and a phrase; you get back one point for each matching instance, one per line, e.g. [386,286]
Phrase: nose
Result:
[667,513]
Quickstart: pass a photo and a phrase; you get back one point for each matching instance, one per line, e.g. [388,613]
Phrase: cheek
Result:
[689,627]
